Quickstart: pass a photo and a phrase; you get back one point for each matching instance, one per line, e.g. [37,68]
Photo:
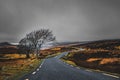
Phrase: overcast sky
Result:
[70,20]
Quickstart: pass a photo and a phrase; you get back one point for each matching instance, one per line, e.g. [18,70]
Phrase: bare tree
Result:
[25,47]
[38,38]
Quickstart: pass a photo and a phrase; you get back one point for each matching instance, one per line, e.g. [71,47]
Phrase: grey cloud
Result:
[70,20]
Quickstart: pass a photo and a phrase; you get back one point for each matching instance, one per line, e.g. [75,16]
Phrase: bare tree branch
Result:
[38,38]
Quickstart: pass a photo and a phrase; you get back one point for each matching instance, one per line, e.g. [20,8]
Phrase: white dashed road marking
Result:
[77,67]
[42,63]
[110,75]
[40,67]
[88,70]
[37,69]
[33,73]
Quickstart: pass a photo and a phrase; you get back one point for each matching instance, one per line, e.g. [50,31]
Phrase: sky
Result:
[70,20]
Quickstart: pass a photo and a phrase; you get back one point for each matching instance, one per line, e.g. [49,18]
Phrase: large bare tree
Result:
[25,47]
[38,38]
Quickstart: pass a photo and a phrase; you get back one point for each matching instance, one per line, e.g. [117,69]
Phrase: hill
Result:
[7,48]
[102,54]
[5,44]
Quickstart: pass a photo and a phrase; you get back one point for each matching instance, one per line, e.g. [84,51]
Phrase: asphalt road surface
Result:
[55,69]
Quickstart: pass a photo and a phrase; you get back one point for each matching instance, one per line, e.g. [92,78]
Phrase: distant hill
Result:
[102,54]
[7,48]
[104,44]
[5,44]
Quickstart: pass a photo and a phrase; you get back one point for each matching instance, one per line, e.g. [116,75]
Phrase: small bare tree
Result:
[25,47]
[38,38]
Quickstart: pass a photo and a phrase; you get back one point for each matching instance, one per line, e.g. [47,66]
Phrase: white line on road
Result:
[77,67]
[39,66]
[42,63]
[37,69]
[88,70]
[33,73]
[110,75]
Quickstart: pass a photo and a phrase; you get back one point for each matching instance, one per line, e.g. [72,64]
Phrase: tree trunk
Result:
[37,54]
[40,53]
[27,56]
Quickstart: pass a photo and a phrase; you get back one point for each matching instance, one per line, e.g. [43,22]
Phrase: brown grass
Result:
[15,67]
[106,60]
[109,61]
[103,61]
[93,59]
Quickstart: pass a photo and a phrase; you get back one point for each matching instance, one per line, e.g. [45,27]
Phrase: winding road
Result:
[55,69]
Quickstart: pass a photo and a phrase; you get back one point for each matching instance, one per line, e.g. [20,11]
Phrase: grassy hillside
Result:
[17,66]
[103,55]
[14,65]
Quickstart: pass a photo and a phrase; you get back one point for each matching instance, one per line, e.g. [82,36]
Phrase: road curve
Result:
[54,69]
